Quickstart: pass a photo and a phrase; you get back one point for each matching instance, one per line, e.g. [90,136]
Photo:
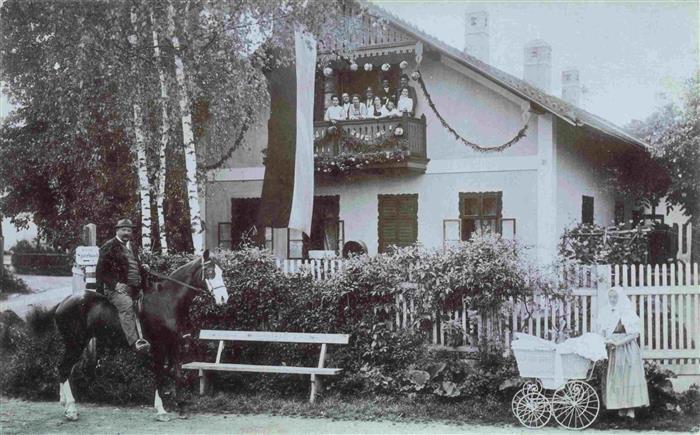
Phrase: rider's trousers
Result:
[120,298]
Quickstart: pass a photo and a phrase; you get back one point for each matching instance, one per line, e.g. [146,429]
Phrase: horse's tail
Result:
[41,320]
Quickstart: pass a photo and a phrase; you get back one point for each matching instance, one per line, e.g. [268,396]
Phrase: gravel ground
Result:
[20,417]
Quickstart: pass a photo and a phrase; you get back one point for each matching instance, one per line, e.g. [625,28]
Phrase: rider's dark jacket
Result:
[113,265]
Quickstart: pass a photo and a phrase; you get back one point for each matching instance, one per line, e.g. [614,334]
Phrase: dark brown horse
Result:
[82,318]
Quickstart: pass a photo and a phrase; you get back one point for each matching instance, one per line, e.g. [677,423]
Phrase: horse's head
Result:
[213,276]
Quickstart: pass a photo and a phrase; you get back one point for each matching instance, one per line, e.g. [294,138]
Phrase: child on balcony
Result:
[405,102]
[390,110]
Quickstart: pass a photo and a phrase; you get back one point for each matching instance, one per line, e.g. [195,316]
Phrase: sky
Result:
[628,53]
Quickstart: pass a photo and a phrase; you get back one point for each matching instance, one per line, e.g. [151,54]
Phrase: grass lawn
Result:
[412,409]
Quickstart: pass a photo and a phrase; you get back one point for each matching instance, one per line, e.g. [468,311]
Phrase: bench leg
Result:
[202,382]
[316,387]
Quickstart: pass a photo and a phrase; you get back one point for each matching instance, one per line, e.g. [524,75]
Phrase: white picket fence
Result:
[666,297]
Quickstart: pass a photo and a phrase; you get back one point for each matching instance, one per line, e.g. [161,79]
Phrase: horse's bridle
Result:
[209,290]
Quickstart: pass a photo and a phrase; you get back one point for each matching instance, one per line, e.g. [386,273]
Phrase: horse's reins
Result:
[160,275]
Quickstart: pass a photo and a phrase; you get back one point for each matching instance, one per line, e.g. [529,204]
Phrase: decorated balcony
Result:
[370,145]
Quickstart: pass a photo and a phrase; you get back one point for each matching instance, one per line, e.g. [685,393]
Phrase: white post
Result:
[604,284]
[546,189]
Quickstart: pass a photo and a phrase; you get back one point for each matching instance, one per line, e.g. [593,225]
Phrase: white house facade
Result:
[553,177]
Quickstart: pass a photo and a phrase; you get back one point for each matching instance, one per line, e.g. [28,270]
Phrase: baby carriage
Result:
[558,385]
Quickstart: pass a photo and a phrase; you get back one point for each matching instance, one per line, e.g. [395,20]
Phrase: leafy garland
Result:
[359,150]
[483,149]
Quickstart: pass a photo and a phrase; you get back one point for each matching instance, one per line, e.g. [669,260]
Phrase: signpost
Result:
[86,261]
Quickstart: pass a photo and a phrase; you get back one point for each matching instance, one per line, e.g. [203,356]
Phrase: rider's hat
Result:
[124,223]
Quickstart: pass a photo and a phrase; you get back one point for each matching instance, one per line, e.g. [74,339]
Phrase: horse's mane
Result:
[183,272]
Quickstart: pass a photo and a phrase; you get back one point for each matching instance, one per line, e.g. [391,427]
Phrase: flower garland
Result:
[484,149]
[359,150]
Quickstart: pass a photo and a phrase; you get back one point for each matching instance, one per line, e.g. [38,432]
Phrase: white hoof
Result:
[71,415]
[163,417]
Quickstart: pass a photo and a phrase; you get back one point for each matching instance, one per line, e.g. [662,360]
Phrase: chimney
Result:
[538,64]
[570,86]
[476,35]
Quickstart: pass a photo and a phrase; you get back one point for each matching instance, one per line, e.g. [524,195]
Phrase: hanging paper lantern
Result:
[415,75]
[403,64]
[327,71]
[385,67]
[398,131]
[368,67]
[353,66]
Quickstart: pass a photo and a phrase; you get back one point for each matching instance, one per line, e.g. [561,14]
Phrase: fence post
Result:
[603,285]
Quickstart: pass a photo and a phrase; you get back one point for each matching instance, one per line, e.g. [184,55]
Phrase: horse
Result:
[84,319]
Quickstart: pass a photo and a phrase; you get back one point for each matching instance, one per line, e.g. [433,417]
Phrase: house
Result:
[434,189]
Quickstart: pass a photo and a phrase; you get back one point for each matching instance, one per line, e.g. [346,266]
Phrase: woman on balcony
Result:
[335,112]
[357,110]
[625,386]
[405,102]
[376,111]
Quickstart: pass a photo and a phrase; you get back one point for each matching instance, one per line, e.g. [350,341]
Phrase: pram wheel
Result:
[575,405]
[532,409]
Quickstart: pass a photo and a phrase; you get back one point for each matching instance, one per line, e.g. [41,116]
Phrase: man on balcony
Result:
[335,112]
[411,91]
[369,99]
[387,92]
[346,101]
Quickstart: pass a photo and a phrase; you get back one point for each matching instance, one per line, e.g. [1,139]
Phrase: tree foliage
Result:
[674,133]
[75,71]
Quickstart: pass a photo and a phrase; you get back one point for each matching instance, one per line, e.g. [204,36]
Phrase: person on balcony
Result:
[405,102]
[625,386]
[386,92]
[369,99]
[357,110]
[335,112]
[411,91]
[377,111]
[390,110]
[345,98]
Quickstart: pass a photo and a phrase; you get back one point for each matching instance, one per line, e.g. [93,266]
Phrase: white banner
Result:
[303,196]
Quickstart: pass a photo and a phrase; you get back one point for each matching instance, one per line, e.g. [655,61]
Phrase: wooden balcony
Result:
[370,145]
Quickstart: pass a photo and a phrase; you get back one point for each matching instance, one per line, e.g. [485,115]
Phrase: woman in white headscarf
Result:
[625,386]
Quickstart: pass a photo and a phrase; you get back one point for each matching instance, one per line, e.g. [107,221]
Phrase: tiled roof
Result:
[566,111]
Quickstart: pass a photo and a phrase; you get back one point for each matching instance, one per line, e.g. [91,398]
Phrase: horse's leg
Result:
[158,360]
[71,357]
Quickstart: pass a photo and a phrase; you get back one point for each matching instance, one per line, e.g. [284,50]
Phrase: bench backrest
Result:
[274,337]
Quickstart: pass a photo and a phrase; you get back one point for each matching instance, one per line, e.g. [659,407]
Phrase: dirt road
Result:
[48,291]
[20,417]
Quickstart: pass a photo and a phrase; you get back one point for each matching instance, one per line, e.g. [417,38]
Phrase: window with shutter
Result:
[480,211]
[398,220]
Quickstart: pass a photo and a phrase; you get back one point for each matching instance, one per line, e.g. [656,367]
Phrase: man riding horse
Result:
[120,276]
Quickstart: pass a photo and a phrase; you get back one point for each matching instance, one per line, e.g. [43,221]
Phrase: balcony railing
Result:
[374,136]
[372,131]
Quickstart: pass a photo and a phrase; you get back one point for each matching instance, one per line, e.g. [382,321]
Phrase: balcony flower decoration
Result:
[353,66]
[385,67]
[358,150]
[327,71]
[368,67]
[403,64]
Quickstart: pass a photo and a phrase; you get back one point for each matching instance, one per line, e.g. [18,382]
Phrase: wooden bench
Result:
[269,337]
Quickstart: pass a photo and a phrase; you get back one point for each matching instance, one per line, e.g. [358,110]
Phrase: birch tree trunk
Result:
[187,136]
[142,165]
[164,132]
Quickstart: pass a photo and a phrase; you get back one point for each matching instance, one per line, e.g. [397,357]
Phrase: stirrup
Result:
[141,345]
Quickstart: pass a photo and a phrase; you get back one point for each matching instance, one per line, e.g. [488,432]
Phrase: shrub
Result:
[593,244]
[9,283]
[28,258]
